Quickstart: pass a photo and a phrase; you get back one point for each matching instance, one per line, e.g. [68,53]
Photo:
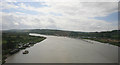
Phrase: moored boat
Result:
[26,52]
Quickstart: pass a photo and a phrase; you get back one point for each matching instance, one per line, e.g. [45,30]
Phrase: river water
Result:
[57,49]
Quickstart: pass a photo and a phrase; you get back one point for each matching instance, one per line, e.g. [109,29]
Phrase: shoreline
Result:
[105,41]
[27,41]
[4,61]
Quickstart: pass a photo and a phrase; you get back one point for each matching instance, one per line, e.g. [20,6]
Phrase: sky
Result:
[72,15]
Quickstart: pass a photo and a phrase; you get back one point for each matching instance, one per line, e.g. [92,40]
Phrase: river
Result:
[56,49]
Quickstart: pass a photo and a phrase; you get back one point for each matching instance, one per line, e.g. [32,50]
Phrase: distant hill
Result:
[111,37]
[115,34]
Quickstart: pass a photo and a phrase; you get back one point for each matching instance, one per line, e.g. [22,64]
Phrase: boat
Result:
[26,52]
[31,42]
[14,51]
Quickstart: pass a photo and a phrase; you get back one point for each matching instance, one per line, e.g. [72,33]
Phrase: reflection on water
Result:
[66,50]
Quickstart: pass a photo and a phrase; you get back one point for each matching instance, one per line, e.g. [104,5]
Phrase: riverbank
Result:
[105,40]
[115,42]
[14,42]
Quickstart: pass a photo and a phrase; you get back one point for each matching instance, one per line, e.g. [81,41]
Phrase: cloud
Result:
[75,16]
[61,0]
[5,5]
[78,8]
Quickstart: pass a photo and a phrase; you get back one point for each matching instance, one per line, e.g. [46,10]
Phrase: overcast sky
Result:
[71,15]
